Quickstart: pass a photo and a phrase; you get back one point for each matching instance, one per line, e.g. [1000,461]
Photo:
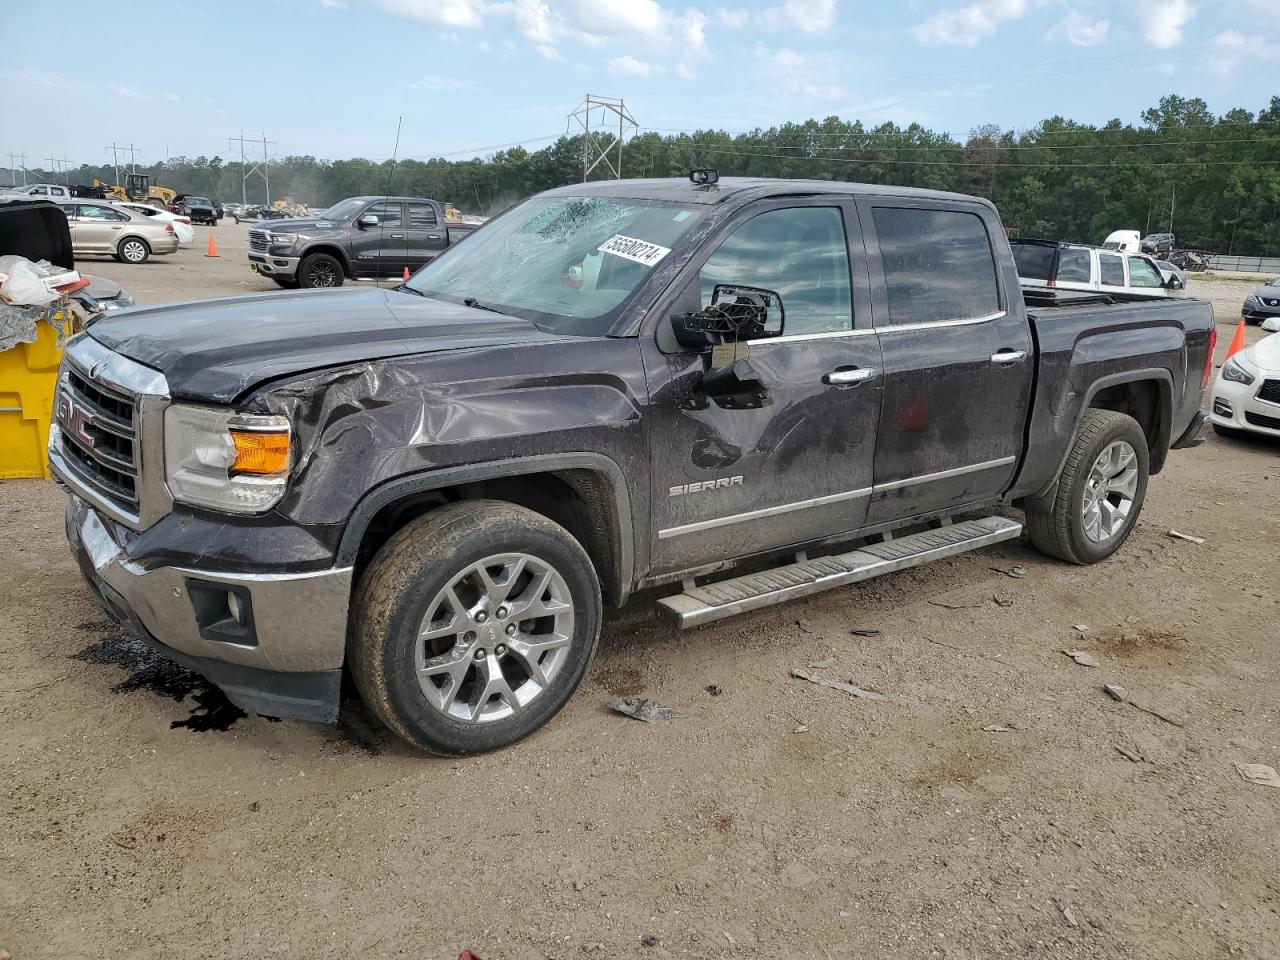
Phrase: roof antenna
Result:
[386,197]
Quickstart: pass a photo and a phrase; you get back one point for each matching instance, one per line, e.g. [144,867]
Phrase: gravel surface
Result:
[997,803]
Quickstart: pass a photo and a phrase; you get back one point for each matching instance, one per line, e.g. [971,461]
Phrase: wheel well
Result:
[581,501]
[133,236]
[1144,401]
[335,252]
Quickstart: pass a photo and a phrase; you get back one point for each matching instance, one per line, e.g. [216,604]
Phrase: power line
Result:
[991,145]
[966,163]
[872,134]
[478,150]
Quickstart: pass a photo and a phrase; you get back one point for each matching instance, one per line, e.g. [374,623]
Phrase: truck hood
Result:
[215,350]
[301,226]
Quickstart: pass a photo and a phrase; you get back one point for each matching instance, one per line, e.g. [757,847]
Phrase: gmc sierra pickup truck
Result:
[360,238]
[745,391]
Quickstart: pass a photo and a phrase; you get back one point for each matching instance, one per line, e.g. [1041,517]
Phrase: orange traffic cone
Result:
[1237,342]
[406,273]
[213,247]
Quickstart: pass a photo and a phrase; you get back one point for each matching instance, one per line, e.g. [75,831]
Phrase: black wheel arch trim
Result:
[400,488]
[1164,425]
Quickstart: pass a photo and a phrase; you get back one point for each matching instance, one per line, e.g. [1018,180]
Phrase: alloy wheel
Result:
[323,274]
[1110,491]
[134,251]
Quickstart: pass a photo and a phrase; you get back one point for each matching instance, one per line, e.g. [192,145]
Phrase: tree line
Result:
[1214,179]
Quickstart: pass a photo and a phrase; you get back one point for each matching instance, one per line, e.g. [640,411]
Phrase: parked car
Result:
[1262,303]
[614,386]
[358,238]
[1069,266]
[1175,278]
[181,224]
[1246,394]
[234,209]
[1125,241]
[1159,245]
[40,191]
[101,227]
[199,209]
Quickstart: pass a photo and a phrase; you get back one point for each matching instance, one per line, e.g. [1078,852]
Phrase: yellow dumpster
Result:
[28,378]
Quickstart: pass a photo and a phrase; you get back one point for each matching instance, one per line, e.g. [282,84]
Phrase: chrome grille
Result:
[258,240]
[99,432]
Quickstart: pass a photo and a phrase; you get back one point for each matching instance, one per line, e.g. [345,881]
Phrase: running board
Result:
[715,601]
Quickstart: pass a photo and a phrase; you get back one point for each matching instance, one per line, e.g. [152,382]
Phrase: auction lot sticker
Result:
[629,248]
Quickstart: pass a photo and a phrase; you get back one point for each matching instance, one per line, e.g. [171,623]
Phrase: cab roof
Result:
[743,189]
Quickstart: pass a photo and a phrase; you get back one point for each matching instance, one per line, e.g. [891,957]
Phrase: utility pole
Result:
[115,158]
[53,165]
[245,174]
[592,153]
[13,171]
[1173,205]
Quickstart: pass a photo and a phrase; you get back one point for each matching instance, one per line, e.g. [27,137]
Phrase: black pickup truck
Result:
[360,238]
[743,391]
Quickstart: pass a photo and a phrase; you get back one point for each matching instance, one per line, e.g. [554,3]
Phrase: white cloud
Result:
[1162,24]
[630,66]
[799,75]
[1231,48]
[808,16]
[443,13]
[484,47]
[965,26]
[733,19]
[1081,30]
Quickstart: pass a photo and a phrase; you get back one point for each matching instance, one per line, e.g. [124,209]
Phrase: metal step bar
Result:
[716,601]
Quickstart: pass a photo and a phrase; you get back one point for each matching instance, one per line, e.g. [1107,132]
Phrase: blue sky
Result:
[330,77]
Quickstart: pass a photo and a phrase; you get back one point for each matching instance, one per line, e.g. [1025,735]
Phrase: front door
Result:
[378,250]
[730,482]
[426,236]
[98,228]
[958,357]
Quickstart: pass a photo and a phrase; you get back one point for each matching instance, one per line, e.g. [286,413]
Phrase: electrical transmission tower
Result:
[261,167]
[610,117]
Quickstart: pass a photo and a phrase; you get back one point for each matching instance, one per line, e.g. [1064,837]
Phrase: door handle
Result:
[1008,356]
[433,236]
[846,376]
[397,236]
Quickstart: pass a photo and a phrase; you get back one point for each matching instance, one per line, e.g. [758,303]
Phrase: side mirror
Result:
[368,220]
[1271,325]
[737,314]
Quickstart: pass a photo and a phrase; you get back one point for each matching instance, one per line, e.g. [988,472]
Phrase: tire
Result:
[1231,433]
[1066,524]
[320,270]
[288,283]
[408,586]
[133,250]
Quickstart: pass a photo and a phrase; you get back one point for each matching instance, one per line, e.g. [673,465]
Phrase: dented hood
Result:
[215,350]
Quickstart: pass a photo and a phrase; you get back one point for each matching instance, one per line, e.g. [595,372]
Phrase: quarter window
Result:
[938,265]
[1073,265]
[422,215]
[801,254]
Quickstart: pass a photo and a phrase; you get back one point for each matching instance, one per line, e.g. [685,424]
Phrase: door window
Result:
[40,192]
[101,213]
[1143,274]
[388,214]
[422,216]
[1112,270]
[801,254]
[1073,265]
[938,265]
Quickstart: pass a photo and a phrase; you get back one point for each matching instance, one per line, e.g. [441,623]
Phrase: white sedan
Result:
[1246,395]
[181,225]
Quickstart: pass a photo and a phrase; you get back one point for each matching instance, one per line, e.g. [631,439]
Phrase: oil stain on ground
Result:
[148,670]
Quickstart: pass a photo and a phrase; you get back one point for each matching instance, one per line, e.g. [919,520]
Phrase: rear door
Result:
[72,211]
[379,251]
[426,237]
[100,228]
[956,352]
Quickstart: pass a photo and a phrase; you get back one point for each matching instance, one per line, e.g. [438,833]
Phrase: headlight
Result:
[1235,373]
[282,239]
[223,460]
[1251,299]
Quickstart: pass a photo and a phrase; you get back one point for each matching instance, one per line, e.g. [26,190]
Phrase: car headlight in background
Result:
[1235,373]
[223,460]
[1251,299]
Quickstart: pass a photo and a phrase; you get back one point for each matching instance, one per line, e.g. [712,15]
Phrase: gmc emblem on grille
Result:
[75,420]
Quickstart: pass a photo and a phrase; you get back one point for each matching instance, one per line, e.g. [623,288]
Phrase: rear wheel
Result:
[133,250]
[473,626]
[320,270]
[1099,493]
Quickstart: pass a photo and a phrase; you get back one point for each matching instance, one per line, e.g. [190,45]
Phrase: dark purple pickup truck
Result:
[743,391]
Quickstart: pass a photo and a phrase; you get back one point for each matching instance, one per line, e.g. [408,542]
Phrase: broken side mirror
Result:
[737,314]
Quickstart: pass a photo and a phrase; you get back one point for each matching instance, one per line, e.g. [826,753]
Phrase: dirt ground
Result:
[985,810]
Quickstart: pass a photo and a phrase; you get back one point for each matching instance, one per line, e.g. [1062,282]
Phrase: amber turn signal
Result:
[260,452]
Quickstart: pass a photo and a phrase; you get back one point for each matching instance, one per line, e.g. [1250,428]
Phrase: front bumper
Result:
[288,663]
[1259,312]
[273,265]
[1236,406]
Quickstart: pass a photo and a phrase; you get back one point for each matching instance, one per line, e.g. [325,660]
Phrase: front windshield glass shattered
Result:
[565,263]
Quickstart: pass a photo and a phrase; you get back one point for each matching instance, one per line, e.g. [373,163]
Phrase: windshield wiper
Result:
[405,288]
[477,305]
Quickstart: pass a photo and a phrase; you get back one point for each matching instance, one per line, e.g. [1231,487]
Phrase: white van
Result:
[1126,241]
[1067,266]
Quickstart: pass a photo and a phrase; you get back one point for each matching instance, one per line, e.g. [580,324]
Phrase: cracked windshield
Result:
[567,264]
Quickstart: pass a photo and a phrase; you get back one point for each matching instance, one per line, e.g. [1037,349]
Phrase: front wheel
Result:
[1099,494]
[133,250]
[473,626]
[320,270]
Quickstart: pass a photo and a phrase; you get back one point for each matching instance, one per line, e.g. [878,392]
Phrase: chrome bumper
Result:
[272,265]
[299,621]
